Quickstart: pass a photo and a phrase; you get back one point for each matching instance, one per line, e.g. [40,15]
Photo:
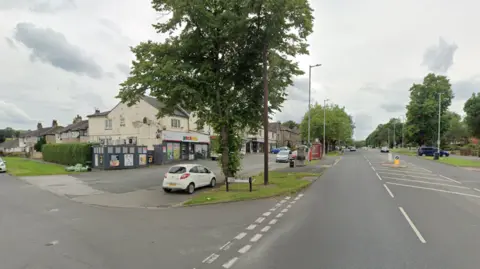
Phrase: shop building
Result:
[182,146]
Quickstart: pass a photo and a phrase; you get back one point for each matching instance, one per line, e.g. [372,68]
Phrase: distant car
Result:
[3,166]
[282,156]
[384,150]
[353,149]
[188,177]
[430,151]
[277,150]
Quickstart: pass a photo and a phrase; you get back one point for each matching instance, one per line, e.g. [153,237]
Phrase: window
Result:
[108,124]
[175,123]
[122,121]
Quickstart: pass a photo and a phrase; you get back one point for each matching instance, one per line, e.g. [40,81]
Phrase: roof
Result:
[41,132]
[78,126]
[99,114]
[9,144]
[52,130]
[180,112]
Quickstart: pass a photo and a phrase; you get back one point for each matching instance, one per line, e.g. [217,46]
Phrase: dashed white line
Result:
[453,180]
[300,195]
[293,202]
[251,226]
[273,221]
[287,198]
[256,237]
[427,182]
[226,246]
[378,176]
[53,243]
[388,190]
[369,163]
[414,228]
[266,214]
[230,263]
[207,258]
[278,205]
[244,249]
[432,189]
[289,206]
[260,220]
[279,215]
[476,189]
[265,229]
[284,210]
[373,168]
[296,198]
[53,210]
[283,201]
[241,235]
[211,258]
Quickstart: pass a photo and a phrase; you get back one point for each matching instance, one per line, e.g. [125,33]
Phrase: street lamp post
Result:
[309,95]
[439,117]
[388,137]
[403,127]
[324,123]
[394,140]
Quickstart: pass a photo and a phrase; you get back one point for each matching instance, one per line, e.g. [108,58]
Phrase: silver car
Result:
[3,165]
[282,156]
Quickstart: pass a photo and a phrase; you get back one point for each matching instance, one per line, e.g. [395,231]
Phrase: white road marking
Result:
[427,182]
[211,258]
[244,249]
[287,198]
[256,237]
[283,201]
[300,195]
[405,175]
[278,205]
[370,163]
[53,243]
[266,214]
[293,202]
[284,210]
[265,229]
[289,206]
[279,215]
[388,190]
[452,180]
[378,176]
[207,258]
[260,220]
[226,246]
[296,198]
[273,208]
[432,189]
[373,168]
[414,228]
[476,189]
[404,171]
[230,263]
[425,169]
[53,210]
[251,226]
[273,221]
[240,236]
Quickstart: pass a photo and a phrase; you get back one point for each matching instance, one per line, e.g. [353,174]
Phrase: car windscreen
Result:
[177,170]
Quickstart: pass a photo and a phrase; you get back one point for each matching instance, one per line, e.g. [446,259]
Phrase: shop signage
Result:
[185,137]
[190,138]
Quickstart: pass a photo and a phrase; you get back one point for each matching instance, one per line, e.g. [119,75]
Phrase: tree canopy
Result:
[472,119]
[457,131]
[339,124]
[212,63]
[383,135]
[422,110]
[291,124]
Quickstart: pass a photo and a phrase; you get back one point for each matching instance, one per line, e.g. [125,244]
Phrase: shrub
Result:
[38,146]
[67,154]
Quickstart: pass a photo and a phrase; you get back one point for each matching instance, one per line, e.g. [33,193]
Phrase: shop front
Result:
[181,146]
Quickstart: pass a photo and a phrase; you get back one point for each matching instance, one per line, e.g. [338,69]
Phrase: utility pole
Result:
[324,123]
[403,127]
[309,95]
[394,140]
[388,137]
[265,115]
[439,117]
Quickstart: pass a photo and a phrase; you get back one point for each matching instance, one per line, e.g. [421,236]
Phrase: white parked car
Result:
[188,177]
[282,156]
[3,165]
[384,150]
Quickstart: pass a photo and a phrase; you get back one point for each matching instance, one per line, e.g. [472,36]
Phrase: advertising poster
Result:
[142,159]
[114,161]
[170,151]
[96,160]
[176,151]
[128,159]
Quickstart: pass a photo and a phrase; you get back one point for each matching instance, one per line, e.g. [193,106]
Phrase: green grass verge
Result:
[334,153]
[404,152]
[280,183]
[24,167]
[457,161]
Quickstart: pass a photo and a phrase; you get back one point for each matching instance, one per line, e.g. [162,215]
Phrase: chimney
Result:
[54,123]
[97,110]
[77,119]
[39,126]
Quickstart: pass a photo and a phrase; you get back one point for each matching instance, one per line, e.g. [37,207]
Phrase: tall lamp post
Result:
[394,139]
[324,123]
[403,127]
[439,117]
[309,95]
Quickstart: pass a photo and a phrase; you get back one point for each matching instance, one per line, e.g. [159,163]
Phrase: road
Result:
[364,215]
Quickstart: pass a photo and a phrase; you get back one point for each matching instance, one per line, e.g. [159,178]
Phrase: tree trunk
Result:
[225,152]
[265,112]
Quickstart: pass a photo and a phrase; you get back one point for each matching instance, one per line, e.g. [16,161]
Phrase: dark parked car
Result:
[430,151]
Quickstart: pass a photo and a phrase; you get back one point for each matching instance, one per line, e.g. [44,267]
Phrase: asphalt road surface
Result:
[364,215]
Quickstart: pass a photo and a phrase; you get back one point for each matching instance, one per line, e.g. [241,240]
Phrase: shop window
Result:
[175,123]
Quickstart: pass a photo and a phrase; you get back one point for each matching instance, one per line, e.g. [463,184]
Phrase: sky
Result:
[61,58]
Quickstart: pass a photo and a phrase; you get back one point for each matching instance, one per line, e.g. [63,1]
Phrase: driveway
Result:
[134,187]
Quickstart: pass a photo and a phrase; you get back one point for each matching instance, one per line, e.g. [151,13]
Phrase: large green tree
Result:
[385,134]
[291,124]
[213,63]
[457,129]
[422,110]
[472,119]
[339,125]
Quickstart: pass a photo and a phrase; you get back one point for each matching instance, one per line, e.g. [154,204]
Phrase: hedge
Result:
[67,154]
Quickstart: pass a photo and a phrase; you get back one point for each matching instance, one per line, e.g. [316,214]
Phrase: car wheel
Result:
[213,183]
[423,155]
[167,190]
[191,188]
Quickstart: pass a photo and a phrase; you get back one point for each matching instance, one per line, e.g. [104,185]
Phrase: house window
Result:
[175,123]
[108,124]
[122,121]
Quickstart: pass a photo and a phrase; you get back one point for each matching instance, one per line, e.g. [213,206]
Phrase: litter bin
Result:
[436,156]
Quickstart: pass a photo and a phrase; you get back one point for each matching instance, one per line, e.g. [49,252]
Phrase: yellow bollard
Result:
[396,162]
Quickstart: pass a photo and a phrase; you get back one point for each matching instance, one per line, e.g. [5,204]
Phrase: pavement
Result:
[134,188]
[41,230]
[364,215]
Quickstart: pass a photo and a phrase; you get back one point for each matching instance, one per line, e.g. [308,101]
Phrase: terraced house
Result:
[28,139]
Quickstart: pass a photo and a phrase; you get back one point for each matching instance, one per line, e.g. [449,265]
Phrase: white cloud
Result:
[371,52]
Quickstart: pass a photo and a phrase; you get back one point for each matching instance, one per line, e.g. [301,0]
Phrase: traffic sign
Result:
[397,157]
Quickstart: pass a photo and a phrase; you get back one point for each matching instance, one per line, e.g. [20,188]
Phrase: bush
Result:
[67,154]
[38,146]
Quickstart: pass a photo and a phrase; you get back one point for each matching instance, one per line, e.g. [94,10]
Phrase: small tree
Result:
[38,146]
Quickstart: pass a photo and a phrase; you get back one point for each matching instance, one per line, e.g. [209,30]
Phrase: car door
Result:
[196,176]
[204,175]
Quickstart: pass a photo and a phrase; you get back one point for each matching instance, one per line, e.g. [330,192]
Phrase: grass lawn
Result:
[280,183]
[334,153]
[404,152]
[457,161]
[23,167]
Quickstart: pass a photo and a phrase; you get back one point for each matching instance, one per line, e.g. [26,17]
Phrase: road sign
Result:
[397,157]
[231,180]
